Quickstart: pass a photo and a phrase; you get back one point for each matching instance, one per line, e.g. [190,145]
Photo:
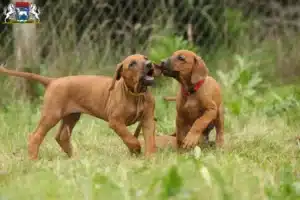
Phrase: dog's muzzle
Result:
[166,68]
[147,78]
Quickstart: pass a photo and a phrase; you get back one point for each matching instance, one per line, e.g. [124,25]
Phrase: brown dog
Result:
[198,103]
[120,103]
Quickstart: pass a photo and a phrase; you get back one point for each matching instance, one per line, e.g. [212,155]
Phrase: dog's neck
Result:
[131,93]
[188,89]
[138,98]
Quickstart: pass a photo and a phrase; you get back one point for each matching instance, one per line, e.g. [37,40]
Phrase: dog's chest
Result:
[134,112]
[191,108]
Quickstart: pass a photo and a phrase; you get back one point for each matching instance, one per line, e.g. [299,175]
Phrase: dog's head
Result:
[137,72]
[184,66]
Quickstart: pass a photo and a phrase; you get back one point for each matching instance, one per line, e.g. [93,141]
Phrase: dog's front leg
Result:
[182,128]
[148,126]
[120,128]
[196,132]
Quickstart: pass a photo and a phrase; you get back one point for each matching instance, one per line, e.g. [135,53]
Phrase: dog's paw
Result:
[135,148]
[135,151]
[191,140]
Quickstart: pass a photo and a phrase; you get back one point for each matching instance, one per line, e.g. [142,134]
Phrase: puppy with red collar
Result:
[198,103]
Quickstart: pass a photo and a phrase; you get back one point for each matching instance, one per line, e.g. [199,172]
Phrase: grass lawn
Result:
[260,161]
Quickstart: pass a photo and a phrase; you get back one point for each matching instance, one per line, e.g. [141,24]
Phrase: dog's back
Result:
[82,93]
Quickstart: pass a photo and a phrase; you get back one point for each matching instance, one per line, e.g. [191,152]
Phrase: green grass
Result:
[260,161]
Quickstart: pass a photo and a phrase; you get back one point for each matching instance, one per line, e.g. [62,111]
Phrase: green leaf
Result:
[171,183]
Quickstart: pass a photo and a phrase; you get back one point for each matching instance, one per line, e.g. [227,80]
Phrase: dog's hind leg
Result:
[37,137]
[63,136]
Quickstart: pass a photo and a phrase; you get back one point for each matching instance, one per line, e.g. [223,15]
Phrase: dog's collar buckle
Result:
[193,89]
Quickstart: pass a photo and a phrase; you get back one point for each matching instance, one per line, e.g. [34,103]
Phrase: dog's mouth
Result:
[146,80]
[170,73]
[166,69]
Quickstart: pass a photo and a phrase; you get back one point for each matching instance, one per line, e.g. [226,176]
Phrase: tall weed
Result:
[241,85]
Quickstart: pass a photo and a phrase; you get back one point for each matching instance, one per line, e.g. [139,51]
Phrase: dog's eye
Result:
[181,57]
[132,64]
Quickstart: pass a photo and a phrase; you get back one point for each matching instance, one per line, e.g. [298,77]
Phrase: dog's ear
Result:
[117,75]
[199,70]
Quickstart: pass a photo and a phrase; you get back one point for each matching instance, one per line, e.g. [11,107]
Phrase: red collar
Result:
[192,89]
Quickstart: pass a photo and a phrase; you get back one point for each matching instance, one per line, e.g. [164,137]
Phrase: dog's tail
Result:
[42,79]
[169,98]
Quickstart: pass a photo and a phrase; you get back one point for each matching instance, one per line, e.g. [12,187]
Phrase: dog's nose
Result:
[148,64]
[163,62]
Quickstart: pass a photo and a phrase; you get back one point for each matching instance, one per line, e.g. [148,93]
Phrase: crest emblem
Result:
[21,12]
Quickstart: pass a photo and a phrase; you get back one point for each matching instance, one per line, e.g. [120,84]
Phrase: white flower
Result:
[197,152]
